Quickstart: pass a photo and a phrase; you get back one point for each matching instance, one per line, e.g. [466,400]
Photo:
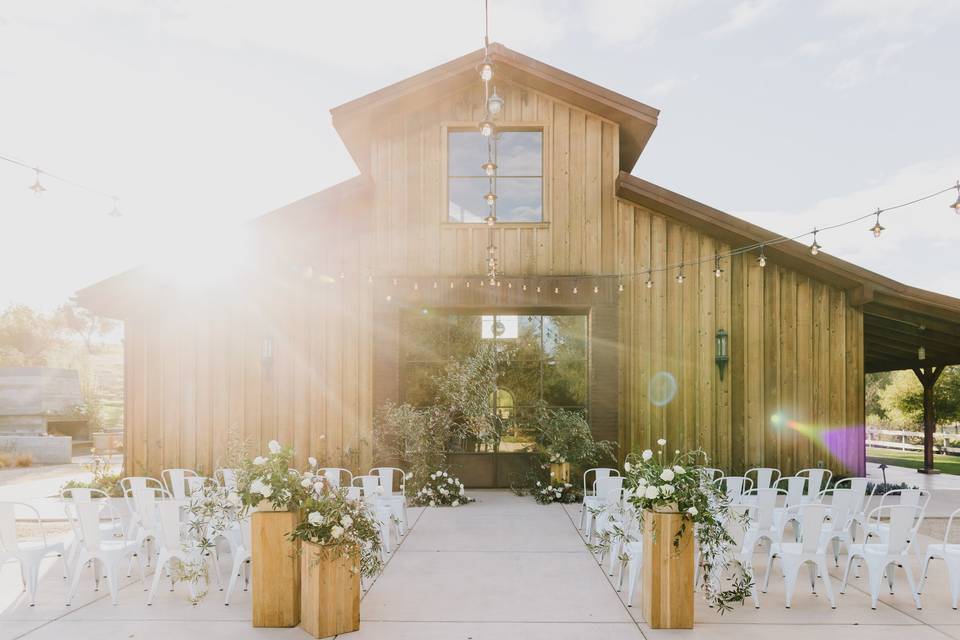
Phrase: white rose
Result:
[346,521]
[336,531]
[661,442]
[462,490]
[651,492]
[692,511]
[260,487]
[433,476]
[641,482]
[667,475]
[456,503]
[274,446]
[647,454]
[259,460]
[432,503]
[312,461]
[444,474]
[627,467]
[315,518]
[306,483]
[677,469]
[667,490]
[449,480]
[409,476]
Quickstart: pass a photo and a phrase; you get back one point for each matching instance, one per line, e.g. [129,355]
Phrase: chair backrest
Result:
[85,517]
[737,526]
[842,502]
[735,487]
[817,480]
[145,505]
[334,476]
[597,473]
[227,478]
[811,517]
[709,474]
[859,487]
[83,494]
[168,516]
[766,507]
[174,481]
[139,482]
[8,524]
[946,533]
[795,486]
[370,485]
[763,477]
[353,493]
[389,479]
[603,486]
[903,521]
[906,497]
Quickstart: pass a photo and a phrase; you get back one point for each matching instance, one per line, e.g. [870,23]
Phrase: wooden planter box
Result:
[330,598]
[667,571]
[560,471]
[276,569]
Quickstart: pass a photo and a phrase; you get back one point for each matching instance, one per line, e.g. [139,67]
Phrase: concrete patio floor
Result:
[503,567]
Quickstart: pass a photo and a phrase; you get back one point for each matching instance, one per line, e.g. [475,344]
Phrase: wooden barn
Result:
[355,295]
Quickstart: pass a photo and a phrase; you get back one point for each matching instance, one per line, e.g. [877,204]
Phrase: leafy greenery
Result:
[420,437]
[896,398]
[565,436]
[104,478]
[340,525]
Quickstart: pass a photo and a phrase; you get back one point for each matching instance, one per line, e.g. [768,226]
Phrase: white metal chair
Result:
[883,556]
[792,488]
[919,498]
[109,553]
[861,502]
[590,499]
[948,552]
[601,489]
[240,553]
[391,477]
[29,552]
[373,495]
[763,523]
[807,550]
[611,516]
[144,525]
[734,487]
[763,477]
[172,547]
[174,481]
[817,480]
[841,513]
[336,477]
[84,495]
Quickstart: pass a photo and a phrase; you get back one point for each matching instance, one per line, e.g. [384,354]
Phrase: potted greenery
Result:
[340,542]
[275,492]
[671,496]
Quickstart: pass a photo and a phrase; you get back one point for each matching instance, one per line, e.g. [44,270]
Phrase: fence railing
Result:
[910,440]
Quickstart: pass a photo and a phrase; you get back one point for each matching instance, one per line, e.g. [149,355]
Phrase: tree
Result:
[875,384]
[84,323]
[27,337]
[902,399]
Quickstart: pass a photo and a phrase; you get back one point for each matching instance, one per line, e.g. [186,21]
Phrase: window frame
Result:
[543,128]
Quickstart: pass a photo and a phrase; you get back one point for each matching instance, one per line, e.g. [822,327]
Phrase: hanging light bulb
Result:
[956,205]
[680,277]
[489,168]
[389,297]
[762,259]
[877,228]
[620,287]
[494,282]
[36,187]
[490,220]
[524,287]
[649,282]
[717,271]
[487,128]
[509,285]
[468,284]
[596,289]
[556,290]
[435,285]
[574,291]
[486,70]
[495,103]
[538,288]
[394,282]
[815,247]
[451,284]
[370,279]
[416,286]
[921,353]
[490,197]
[115,211]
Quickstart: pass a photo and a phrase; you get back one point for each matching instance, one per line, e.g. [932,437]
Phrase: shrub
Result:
[23,460]
[6,460]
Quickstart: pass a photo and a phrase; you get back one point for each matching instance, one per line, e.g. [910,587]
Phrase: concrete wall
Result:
[44,449]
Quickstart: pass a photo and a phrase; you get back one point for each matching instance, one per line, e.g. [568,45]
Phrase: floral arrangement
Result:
[213,510]
[340,525]
[676,484]
[556,491]
[441,490]
[269,478]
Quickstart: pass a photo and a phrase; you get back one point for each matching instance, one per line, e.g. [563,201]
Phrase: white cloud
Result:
[891,16]
[631,22]
[744,14]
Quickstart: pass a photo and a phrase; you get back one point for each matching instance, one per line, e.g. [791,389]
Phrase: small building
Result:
[39,412]
[640,307]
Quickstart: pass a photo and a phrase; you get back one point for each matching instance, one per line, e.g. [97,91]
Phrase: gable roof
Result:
[353,120]
[897,319]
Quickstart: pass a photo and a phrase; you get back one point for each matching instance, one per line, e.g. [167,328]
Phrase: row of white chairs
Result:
[150,524]
[822,521]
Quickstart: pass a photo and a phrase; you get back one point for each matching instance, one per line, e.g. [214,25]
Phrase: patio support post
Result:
[928,377]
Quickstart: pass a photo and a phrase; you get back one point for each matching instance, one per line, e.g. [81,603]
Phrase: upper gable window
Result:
[519,176]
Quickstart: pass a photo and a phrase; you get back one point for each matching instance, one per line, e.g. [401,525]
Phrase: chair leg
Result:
[846,574]
[913,586]
[237,567]
[827,587]
[766,577]
[923,576]
[791,569]
[31,570]
[75,582]
[812,571]
[112,581]
[157,576]
[875,578]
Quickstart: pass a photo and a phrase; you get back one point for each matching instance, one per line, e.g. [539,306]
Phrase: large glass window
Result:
[547,361]
[519,176]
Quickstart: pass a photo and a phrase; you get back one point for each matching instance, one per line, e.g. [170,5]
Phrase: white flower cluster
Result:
[442,489]
[554,491]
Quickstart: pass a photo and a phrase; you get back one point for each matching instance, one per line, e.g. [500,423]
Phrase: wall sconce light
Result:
[723,352]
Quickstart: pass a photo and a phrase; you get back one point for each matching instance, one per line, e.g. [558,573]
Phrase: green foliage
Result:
[465,391]
[342,526]
[901,400]
[104,478]
[565,436]
[84,323]
[420,438]
[27,337]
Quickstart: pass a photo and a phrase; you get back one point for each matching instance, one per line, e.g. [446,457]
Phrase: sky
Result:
[201,114]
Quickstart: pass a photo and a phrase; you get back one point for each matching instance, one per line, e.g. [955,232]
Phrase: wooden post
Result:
[560,471]
[330,599]
[276,569]
[928,378]
[667,571]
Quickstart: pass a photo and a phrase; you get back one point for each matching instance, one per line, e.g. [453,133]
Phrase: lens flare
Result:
[834,440]
[662,388]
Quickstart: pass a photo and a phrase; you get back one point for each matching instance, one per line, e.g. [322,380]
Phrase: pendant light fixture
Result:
[877,228]
[956,205]
[762,258]
[815,247]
